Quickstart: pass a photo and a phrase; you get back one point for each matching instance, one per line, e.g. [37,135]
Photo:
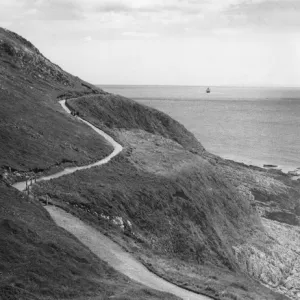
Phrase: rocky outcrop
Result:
[283,217]
[272,256]
[275,263]
[294,172]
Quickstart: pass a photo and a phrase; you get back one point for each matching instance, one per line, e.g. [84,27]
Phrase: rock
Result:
[270,166]
[294,173]
[283,217]
[276,263]
[119,222]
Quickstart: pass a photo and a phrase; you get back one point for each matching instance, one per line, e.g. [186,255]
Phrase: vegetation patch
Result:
[179,233]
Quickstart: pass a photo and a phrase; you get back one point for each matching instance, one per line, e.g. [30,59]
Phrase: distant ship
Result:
[208,90]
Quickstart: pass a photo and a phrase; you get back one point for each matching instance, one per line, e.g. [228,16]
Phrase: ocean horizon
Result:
[253,125]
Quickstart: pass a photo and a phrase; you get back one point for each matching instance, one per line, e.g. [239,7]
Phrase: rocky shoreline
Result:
[279,169]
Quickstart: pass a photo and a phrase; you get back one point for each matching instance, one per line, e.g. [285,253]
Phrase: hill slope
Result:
[116,112]
[189,212]
[193,218]
[38,260]
[35,133]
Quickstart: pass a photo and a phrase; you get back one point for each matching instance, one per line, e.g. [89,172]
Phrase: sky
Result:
[165,42]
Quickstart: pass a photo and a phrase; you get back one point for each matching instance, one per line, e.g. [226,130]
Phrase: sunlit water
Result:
[253,125]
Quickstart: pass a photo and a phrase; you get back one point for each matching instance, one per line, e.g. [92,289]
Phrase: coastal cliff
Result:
[210,225]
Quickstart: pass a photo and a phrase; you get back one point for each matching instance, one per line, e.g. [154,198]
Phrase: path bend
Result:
[117,149]
[101,245]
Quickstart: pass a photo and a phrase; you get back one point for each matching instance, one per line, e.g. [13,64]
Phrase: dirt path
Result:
[117,149]
[98,243]
[115,256]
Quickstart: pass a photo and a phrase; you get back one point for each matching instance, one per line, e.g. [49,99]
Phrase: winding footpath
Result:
[101,245]
[117,149]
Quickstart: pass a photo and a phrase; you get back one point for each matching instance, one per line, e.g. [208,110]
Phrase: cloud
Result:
[140,34]
[113,7]
[262,6]
[155,6]
[29,10]
[227,31]
[152,12]
[88,38]
[267,13]
[10,9]
[118,19]
[56,10]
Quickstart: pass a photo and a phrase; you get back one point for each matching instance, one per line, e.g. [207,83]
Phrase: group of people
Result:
[75,113]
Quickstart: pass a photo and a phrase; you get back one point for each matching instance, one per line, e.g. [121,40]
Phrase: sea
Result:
[253,125]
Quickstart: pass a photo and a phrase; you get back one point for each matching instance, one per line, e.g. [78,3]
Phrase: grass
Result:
[35,134]
[114,112]
[39,260]
[187,209]
[183,234]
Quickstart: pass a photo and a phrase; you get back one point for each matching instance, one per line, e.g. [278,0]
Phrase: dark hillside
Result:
[38,257]
[19,55]
[193,209]
[175,216]
[191,217]
[189,221]
[35,133]
[118,112]
[38,260]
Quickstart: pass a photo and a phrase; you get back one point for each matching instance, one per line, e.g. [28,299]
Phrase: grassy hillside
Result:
[115,112]
[189,213]
[207,224]
[178,224]
[38,257]
[35,133]
[38,260]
